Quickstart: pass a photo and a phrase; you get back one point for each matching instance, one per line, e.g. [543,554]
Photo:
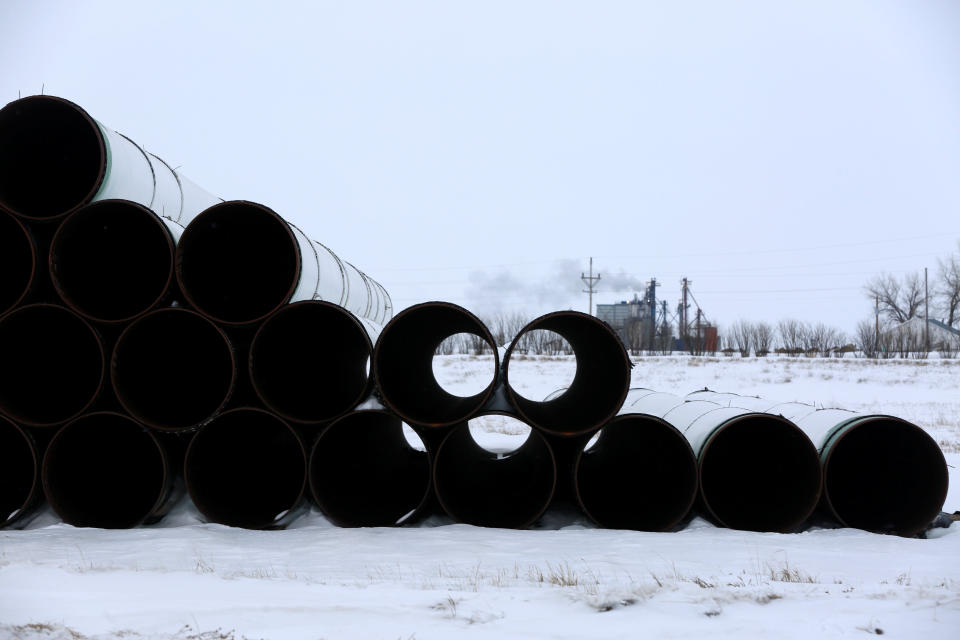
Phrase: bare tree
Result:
[948,291]
[867,340]
[791,336]
[763,337]
[899,300]
[742,334]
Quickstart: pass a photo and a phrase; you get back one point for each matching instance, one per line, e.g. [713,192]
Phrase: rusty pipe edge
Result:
[55,158]
[20,488]
[173,369]
[112,260]
[18,262]
[403,364]
[247,468]
[364,473]
[599,386]
[108,471]
[641,474]
[308,361]
[508,490]
[52,365]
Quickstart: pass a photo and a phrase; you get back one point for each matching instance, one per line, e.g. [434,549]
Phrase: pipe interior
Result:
[246,468]
[599,386]
[112,260]
[172,369]
[641,474]
[18,471]
[509,490]
[363,473]
[51,157]
[104,470]
[51,366]
[760,473]
[17,262]
[404,364]
[238,261]
[886,475]
[308,362]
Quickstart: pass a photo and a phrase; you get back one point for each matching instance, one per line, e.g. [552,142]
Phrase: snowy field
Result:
[186,579]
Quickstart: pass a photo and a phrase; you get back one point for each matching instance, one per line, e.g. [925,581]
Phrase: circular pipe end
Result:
[19,473]
[760,472]
[237,262]
[641,474]
[112,260]
[308,362]
[52,366]
[885,474]
[18,262]
[173,369]
[363,473]
[599,386]
[105,470]
[53,157]
[246,468]
[403,364]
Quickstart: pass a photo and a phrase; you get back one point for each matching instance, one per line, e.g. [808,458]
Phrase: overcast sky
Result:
[778,154]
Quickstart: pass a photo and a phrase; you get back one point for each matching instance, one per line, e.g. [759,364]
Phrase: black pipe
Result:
[247,468]
[403,364]
[106,470]
[53,158]
[640,474]
[20,488]
[18,262]
[112,260]
[308,362]
[364,473]
[51,365]
[476,486]
[599,386]
[173,369]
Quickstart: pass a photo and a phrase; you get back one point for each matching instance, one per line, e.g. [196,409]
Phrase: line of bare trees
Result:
[504,327]
[789,336]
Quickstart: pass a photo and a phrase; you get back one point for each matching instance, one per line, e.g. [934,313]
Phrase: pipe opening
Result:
[886,475]
[364,473]
[509,490]
[413,438]
[17,262]
[173,369]
[237,262]
[52,157]
[499,434]
[640,474]
[403,364]
[112,260]
[18,472]
[246,468]
[453,370]
[51,367]
[104,470]
[527,371]
[760,473]
[308,362]
[599,385]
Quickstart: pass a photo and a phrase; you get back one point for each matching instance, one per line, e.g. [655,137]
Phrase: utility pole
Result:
[876,319]
[590,281]
[926,313]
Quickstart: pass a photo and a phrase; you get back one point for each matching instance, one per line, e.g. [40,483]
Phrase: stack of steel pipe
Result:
[153,333]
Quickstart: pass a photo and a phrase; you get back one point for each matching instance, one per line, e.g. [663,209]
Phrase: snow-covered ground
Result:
[186,579]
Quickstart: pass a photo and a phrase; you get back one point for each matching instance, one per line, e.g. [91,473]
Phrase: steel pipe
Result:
[55,158]
[18,262]
[480,487]
[309,361]
[599,386]
[247,468]
[238,262]
[20,488]
[51,365]
[173,369]
[757,471]
[364,473]
[403,364]
[881,473]
[112,260]
[105,470]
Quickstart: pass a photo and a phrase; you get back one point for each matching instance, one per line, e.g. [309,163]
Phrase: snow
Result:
[184,578]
